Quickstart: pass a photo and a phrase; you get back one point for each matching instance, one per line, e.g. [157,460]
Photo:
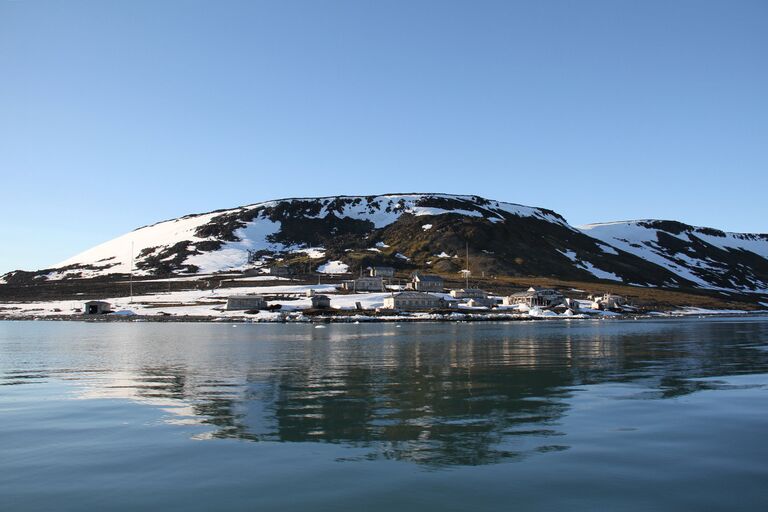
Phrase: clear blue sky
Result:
[115,114]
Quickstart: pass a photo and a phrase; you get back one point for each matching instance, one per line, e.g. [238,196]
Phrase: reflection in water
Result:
[434,394]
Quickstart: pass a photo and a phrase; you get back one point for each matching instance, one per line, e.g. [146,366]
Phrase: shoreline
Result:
[359,319]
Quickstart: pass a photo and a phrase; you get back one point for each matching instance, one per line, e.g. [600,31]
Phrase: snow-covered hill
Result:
[707,257]
[221,240]
[425,231]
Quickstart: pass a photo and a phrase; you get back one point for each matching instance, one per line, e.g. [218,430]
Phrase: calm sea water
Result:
[612,415]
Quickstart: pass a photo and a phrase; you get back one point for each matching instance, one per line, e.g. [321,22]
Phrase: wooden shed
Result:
[245,302]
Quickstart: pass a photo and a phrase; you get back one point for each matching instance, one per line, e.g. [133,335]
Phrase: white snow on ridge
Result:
[420,211]
[632,230]
[738,241]
[643,241]
[398,204]
[118,250]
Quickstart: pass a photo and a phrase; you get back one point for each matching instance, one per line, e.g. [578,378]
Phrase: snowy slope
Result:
[707,257]
[192,244]
[424,232]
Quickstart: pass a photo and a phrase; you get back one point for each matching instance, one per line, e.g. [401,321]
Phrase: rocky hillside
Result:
[706,257]
[426,231]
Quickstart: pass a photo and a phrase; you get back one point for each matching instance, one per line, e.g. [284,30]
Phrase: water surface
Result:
[581,415]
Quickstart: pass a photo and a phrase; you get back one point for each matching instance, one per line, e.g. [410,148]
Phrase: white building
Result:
[469,293]
[608,301]
[413,301]
[426,282]
[364,284]
[542,297]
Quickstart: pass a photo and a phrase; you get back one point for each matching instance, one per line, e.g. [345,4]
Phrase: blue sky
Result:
[122,113]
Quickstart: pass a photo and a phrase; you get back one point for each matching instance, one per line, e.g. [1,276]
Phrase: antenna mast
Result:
[466,274]
[130,278]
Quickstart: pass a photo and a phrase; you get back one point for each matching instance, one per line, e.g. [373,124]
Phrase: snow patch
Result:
[601,274]
[333,267]
[234,255]
[314,253]
[608,249]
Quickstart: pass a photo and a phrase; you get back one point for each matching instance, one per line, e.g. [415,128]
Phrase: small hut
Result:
[320,302]
[245,302]
[96,307]
[469,293]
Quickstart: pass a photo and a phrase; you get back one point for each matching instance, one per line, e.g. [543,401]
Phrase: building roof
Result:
[530,292]
[428,278]
[413,294]
[245,297]
[526,293]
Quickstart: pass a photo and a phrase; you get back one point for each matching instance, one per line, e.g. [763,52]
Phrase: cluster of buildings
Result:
[252,302]
[415,299]
[543,298]
[377,280]
[423,292]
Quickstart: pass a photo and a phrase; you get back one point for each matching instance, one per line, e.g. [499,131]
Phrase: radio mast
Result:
[466,272]
[130,277]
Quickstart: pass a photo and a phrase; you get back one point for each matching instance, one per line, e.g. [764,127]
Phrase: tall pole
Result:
[466,274]
[130,278]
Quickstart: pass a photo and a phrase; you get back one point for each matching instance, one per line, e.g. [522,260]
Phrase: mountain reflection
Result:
[433,394]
